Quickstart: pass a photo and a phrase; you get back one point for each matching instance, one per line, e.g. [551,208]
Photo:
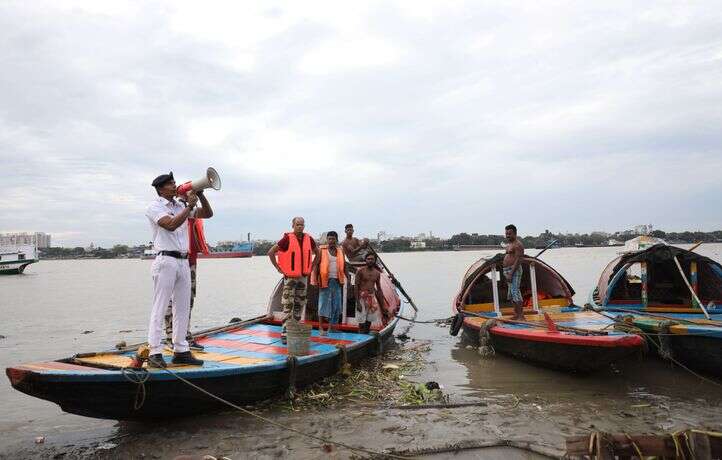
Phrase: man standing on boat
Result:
[368,294]
[353,247]
[513,271]
[171,273]
[293,256]
[330,275]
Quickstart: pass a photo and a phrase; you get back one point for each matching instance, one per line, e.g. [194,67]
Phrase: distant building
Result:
[39,239]
[418,244]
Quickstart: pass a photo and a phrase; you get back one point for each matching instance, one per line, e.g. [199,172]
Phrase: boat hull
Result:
[225,255]
[108,395]
[15,268]
[559,351]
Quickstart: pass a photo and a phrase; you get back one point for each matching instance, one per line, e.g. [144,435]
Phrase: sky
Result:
[406,117]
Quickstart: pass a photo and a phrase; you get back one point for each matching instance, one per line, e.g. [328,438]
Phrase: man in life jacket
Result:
[293,257]
[329,274]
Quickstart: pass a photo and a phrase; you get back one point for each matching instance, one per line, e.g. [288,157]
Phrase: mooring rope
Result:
[432,321]
[280,425]
[138,377]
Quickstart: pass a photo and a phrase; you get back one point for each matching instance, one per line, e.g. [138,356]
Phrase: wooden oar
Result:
[538,325]
[544,250]
[706,322]
[394,280]
[698,244]
[202,333]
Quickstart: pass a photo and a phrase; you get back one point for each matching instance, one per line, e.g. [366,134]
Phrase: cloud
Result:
[406,117]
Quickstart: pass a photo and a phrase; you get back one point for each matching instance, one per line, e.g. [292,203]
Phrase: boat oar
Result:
[577,330]
[545,249]
[198,334]
[709,322]
[698,244]
[689,286]
[394,279]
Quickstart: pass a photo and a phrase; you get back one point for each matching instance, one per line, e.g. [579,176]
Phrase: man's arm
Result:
[518,252]
[379,292]
[171,223]
[206,212]
[272,255]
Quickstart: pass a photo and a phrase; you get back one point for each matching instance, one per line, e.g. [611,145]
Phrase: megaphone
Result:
[211,180]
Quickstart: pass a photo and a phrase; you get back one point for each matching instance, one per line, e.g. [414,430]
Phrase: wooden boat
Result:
[243,363]
[566,338]
[647,287]
[14,259]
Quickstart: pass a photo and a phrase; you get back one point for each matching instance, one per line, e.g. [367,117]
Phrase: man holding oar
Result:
[513,271]
[295,252]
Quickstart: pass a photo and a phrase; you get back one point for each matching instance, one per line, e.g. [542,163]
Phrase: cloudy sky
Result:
[406,117]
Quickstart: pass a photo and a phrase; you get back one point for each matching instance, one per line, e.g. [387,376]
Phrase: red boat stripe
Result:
[277,335]
[246,346]
[54,365]
[569,339]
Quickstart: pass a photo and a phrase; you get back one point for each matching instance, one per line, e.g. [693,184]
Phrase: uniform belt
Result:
[176,254]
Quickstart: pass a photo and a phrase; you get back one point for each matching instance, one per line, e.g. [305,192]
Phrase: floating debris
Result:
[377,379]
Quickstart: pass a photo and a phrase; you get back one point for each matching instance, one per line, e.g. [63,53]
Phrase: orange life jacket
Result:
[296,262]
[325,262]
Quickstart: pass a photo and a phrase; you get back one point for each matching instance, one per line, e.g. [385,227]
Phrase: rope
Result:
[282,426]
[635,446]
[486,350]
[474,444]
[343,366]
[433,321]
[138,377]
[292,363]
[379,343]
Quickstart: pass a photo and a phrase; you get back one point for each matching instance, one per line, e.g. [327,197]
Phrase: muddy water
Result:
[62,307]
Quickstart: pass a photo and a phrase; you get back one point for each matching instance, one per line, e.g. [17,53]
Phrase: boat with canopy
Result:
[673,296]
[555,333]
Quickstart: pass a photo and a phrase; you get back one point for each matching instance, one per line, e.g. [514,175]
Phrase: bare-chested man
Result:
[352,246]
[513,271]
[369,298]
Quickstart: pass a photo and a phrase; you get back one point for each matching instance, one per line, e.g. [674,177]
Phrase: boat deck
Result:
[230,352]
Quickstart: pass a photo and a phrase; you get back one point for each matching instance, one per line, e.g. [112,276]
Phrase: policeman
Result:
[170,269]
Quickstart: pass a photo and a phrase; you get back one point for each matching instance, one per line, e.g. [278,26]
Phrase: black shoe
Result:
[195,346]
[283,339]
[185,357]
[156,361]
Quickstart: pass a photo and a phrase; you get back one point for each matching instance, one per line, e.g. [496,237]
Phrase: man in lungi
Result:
[369,297]
[330,274]
[513,271]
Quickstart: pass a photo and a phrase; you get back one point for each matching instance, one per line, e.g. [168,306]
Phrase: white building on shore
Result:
[39,239]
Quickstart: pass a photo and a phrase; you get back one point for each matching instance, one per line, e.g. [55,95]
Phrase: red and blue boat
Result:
[244,362]
[555,333]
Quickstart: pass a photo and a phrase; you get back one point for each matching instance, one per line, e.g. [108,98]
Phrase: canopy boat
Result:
[673,294]
[14,259]
[244,362]
[556,333]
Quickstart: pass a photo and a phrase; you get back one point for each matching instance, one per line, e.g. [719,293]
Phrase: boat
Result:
[556,333]
[641,243]
[673,296]
[14,259]
[244,362]
[244,249]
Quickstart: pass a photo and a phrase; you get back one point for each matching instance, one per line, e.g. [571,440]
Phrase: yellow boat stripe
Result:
[119,361]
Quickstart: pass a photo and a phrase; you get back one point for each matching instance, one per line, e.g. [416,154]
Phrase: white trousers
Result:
[171,279]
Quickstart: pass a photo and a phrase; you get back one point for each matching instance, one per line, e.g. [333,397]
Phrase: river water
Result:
[58,308]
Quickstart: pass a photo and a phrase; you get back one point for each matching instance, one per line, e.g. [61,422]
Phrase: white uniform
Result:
[171,277]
